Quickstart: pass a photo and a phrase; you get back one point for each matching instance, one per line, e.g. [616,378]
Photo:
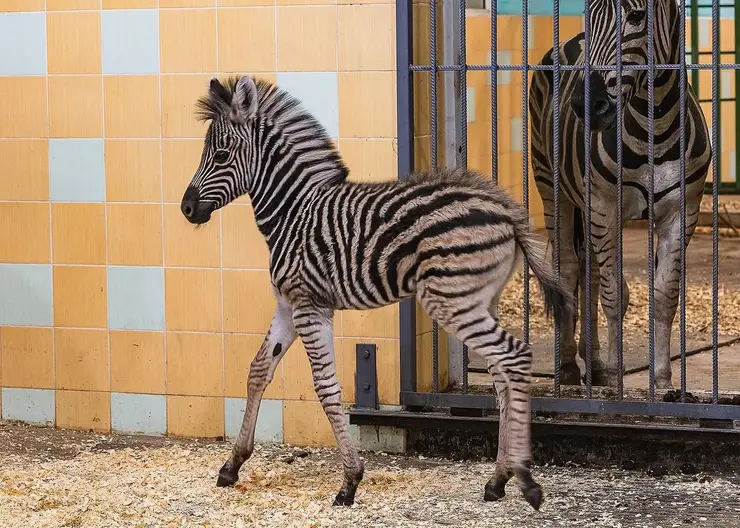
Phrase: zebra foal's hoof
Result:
[533,495]
[227,476]
[343,499]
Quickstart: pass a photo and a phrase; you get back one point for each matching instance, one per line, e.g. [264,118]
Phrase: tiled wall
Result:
[115,313]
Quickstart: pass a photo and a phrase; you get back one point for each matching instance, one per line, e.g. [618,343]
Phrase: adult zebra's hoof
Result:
[533,495]
[494,493]
[227,476]
[570,375]
[343,499]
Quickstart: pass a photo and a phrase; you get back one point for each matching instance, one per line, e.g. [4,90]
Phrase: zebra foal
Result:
[635,162]
[452,239]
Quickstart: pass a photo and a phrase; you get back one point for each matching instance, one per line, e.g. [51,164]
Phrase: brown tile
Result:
[75,107]
[24,232]
[243,244]
[78,233]
[179,95]
[83,410]
[29,157]
[73,42]
[23,107]
[370,159]
[195,416]
[380,322]
[249,302]
[195,364]
[306,38]
[81,359]
[240,33]
[80,296]
[306,424]
[27,357]
[187,40]
[135,234]
[193,299]
[239,351]
[137,362]
[69,5]
[376,116]
[187,245]
[180,160]
[367,37]
[133,170]
[132,106]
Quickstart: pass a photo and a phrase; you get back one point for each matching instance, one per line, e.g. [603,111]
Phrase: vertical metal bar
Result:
[716,161]
[405,131]
[556,171]
[737,87]
[587,184]
[695,44]
[433,74]
[620,223]
[651,197]
[682,212]
[494,90]
[525,153]
[464,137]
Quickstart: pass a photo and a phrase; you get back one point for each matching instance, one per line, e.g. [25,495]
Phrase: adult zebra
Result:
[452,239]
[635,163]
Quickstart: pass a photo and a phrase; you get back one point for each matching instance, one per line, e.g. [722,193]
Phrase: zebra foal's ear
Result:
[244,102]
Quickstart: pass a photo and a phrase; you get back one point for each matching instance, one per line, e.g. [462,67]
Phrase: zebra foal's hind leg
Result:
[278,340]
[316,330]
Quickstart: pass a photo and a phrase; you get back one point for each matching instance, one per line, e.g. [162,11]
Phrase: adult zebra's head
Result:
[603,52]
[224,172]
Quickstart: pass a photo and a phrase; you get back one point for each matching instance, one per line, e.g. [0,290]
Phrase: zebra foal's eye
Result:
[635,17]
[221,156]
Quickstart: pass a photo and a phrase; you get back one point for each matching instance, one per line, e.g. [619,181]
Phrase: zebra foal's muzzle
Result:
[193,209]
[601,108]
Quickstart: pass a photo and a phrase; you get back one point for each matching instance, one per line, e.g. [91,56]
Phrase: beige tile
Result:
[133,170]
[186,3]
[80,296]
[239,351]
[29,157]
[83,410]
[370,159]
[75,107]
[243,244]
[195,416]
[68,5]
[135,234]
[129,4]
[137,362]
[22,5]
[73,42]
[241,32]
[306,38]
[27,357]
[23,107]
[376,116]
[81,359]
[193,299]
[187,40]
[78,233]
[189,245]
[195,365]
[132,106]
[179,95]
[180,161]
[24,232]
[380,322]
[249,301]
[367,37]
[245,3]
[306,424]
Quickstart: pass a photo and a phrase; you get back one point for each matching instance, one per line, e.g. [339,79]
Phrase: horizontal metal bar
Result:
[593,406]
[569,67]
[489,424]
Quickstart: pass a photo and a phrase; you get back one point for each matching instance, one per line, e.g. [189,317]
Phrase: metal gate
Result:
[447,70]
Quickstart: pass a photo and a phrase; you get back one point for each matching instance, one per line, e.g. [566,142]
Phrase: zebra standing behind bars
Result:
[453,239]
[635,164]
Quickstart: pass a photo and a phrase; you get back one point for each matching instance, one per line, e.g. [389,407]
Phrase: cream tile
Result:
[27,357]
[306,38]
[78,233]
[75,107]
[29,157]
[24,232]
[135,234]
[193,299]
[73,42]
[367,37]
[195,416]
[240,33]
[80,297]
[187,40]
[83,410]
[81,359]
[249,302]
[132,106]
[137,362]
[376,116]
[188,245]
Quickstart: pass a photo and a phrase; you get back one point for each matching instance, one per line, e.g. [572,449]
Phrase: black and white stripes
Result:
[450,238]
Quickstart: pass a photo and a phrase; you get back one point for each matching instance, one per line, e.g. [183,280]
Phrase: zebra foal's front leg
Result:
[278,340]
[316,329]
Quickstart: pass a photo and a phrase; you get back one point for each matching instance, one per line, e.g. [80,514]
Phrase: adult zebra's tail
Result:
[559,302]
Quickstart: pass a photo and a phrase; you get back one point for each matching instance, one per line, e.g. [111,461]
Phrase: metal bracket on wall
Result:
[366,377]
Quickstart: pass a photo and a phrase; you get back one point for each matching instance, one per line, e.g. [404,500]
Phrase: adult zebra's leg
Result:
[316,330]
[598,369]
[278,340]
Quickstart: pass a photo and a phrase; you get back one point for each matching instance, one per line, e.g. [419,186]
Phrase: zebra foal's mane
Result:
[298,127]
